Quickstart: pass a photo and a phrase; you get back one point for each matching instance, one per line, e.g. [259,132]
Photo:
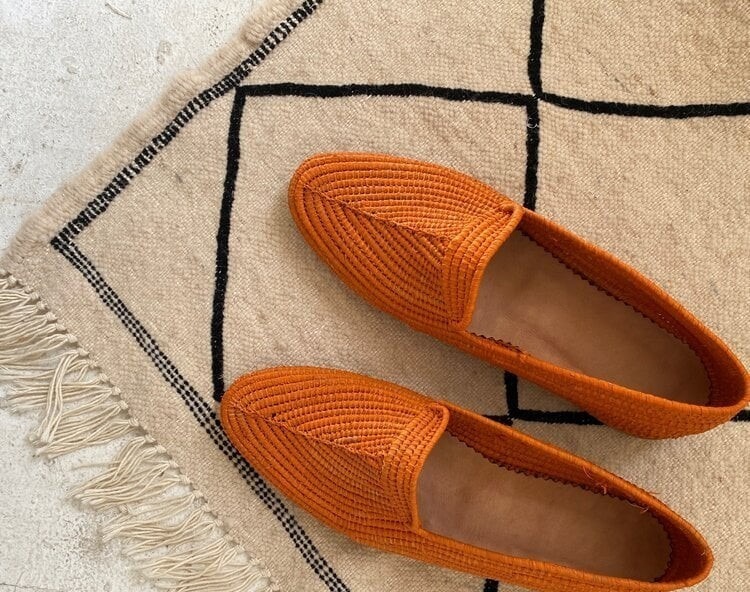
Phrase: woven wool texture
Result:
[175,261]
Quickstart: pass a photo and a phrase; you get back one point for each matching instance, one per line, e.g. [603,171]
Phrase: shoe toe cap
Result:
[385,225]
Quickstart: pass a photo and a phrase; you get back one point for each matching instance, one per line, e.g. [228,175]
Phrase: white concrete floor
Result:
[72,75]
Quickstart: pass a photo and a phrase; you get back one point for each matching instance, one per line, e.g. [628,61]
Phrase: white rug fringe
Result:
[162,523]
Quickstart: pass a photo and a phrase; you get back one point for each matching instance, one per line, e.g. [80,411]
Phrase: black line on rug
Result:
[556,417]
[642,110]
[204,415]
[491,586]
[222,245]
[404,90]
[743,415]
[536,33]
[532,155]
[511,393]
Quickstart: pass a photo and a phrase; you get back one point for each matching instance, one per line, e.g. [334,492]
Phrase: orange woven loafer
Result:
[398,471]
[453,258]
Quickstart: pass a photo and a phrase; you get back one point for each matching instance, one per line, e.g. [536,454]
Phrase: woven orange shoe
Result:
[397,471]
[455,259]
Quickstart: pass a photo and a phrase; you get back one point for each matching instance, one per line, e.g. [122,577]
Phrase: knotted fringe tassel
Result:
[162,523]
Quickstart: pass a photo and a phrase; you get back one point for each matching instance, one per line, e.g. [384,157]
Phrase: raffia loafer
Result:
[398,471]
[453,258]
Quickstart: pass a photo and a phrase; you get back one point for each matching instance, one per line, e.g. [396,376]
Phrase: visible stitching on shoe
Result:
[505,344]
[378,263]
[294,430]
[373,216]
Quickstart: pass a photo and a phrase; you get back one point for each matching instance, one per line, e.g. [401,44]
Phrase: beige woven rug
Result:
[171,266]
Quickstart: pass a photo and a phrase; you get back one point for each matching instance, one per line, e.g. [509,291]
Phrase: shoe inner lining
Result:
[464,496]
[531,300]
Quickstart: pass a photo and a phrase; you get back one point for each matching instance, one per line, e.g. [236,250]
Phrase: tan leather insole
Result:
[463,496]
[531,300]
